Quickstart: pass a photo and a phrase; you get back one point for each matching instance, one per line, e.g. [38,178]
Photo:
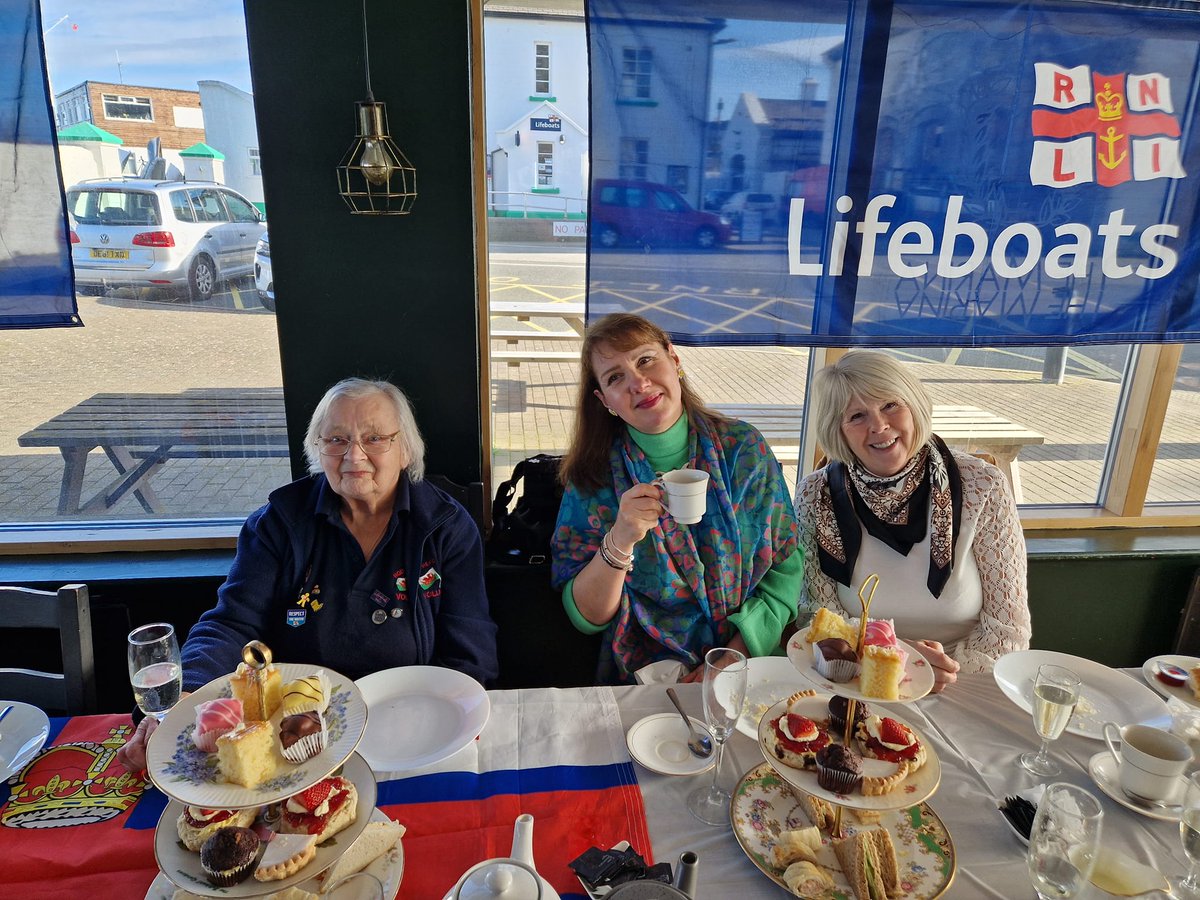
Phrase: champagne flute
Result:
[725,675]
[1064,841]
[155,670]
[1189,833]
[1055,693]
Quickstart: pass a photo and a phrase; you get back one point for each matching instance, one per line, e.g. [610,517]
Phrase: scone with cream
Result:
[323,809]
[196,824]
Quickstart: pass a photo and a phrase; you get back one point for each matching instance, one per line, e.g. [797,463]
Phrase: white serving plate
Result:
[23,733]
[771,679]
[659,742]
[189,775]
[1182,693]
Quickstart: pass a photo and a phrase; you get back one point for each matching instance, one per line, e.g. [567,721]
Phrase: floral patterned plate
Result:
[918,674]
[914,788]
[187,774]
[764,805]
[182,867]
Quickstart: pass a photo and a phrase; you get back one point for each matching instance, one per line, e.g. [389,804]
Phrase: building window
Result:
[634,154]
[135,108]
[636,65]
[255,161]
[545,164]
[541,68]
[677,177]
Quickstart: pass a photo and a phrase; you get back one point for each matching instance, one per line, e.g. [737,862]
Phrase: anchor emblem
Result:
[1110,138]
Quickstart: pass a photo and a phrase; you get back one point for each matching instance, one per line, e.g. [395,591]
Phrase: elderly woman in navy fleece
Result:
[360,566]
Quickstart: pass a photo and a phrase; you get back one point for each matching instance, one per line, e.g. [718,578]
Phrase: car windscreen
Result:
[113,207]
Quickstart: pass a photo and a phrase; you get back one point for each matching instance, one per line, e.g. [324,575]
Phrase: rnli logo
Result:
[1091,128]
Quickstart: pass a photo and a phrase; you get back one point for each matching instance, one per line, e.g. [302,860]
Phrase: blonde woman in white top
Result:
[939,527]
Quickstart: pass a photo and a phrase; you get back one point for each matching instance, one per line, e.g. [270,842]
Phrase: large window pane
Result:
[1176,476]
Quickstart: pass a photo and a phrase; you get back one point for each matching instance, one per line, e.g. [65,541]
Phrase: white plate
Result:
[1183,693]
[22,734]
[388,868]
[420,715]
[918,674]
[1103,769]
[1106,695]
[182,866]
[771,679]
[659,742]
[913,789]
[187,774]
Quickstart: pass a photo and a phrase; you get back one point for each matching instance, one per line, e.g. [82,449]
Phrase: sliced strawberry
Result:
[316,795]
[799,725]
[892,732]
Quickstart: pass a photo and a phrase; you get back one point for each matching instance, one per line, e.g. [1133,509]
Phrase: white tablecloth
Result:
[977,734]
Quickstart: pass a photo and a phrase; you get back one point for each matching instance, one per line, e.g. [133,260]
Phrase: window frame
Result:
[538,67]
[637,73]
[544,154]
[124,100]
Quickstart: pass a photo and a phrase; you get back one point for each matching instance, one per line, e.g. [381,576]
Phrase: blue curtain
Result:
[37,285]
[892,173]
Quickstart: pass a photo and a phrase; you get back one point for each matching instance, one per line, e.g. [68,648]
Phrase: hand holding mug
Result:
[638,511]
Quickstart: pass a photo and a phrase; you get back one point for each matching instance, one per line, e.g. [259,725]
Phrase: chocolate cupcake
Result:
[836,660]
[839,769]
[302,736]
[837,713]
[228,856]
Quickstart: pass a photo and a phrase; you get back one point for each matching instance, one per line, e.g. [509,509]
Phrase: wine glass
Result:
[1055,693]
[155,670]
[1189,832]
[725,675]
[1064,840]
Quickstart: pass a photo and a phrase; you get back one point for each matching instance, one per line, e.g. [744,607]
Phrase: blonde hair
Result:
[870,375]
[409,440]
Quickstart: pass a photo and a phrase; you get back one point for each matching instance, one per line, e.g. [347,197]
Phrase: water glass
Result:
[1189,833]
[1055,693]
[1064,841]
[725,675]
[155,670]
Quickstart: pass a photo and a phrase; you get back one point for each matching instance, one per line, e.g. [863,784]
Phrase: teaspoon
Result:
[699,744]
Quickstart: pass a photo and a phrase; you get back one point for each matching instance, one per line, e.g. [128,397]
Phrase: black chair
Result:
[73,691]
[1187,636]
[469,495]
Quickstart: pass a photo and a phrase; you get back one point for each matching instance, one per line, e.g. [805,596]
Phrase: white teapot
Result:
[509,878]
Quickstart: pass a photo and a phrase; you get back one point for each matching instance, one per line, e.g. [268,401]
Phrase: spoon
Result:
[699,744]
[1121,874]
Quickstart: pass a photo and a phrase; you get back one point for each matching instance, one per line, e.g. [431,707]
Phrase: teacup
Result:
[685,494]
[1149,762]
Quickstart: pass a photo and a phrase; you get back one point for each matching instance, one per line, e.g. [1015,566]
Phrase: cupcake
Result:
[309,694]
[839,769]
[837,713]
[302,736]
[228,856]
[213,719]
[835,659]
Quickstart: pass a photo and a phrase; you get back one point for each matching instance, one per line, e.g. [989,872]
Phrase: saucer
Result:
[1103,769]
[659,742]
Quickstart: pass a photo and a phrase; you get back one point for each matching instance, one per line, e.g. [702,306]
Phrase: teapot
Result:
[511,877]
[684,888]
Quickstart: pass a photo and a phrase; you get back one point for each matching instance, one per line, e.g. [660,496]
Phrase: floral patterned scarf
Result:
[686,580]
[895,510]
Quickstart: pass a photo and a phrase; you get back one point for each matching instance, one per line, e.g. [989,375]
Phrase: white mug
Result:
[685,494]
[1149,762]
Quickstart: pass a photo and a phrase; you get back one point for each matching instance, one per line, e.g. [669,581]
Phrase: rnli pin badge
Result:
[296,617]
[379,617]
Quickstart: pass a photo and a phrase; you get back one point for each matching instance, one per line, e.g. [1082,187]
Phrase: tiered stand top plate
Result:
[918,674]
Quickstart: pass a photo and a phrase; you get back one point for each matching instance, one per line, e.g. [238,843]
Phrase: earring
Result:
[611,411]
[679,372]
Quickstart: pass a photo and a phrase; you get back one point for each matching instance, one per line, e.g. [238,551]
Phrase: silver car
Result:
[134,232]
[264,283]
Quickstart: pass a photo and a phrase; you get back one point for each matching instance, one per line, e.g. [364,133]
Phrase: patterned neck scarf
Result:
[894,510]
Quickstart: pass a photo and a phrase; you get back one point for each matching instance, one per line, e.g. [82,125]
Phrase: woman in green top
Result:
[658,589]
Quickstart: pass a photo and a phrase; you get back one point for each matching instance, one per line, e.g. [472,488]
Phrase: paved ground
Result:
[141,345]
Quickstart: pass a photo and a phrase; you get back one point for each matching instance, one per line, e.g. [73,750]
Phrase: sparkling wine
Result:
[156,687]
[1189,831]
[1052,708]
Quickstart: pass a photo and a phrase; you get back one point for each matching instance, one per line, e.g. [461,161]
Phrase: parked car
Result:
[715,199]
[263,282]
[650,214]
[750,201]
[133,232]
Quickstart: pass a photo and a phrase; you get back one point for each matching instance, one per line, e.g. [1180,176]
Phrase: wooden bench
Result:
[570,312]
[966,427]
[140,432]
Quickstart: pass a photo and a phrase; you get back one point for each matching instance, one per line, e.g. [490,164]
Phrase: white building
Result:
[231,128]
[536,107]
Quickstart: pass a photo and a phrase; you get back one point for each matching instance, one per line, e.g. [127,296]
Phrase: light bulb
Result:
[375,163]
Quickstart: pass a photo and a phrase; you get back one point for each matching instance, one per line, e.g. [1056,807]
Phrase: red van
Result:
[648,214]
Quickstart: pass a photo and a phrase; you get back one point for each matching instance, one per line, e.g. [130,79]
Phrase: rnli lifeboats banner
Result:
[899,173]
[37,287]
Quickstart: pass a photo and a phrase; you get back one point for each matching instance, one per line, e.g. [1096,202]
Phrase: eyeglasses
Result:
[372,444]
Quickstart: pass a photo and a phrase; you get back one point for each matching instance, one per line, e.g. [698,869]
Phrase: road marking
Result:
[237,296]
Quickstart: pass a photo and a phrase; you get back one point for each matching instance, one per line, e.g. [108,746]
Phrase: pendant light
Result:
[374,177]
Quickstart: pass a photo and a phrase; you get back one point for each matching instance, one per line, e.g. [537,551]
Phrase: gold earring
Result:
[611,411]
[679,372]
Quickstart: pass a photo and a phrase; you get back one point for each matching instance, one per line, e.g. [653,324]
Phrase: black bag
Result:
[521,536]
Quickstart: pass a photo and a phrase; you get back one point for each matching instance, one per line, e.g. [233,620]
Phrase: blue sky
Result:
[161,43]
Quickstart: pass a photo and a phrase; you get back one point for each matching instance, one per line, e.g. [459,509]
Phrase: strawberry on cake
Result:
[196,824]
[323,809]
[795,739]
[885,738]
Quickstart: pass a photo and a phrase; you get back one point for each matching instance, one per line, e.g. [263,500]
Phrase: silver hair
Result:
[873,375]
[409,439]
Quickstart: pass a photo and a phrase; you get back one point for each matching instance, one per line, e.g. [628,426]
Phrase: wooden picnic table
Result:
[967,427]
[140,432]
[570,312]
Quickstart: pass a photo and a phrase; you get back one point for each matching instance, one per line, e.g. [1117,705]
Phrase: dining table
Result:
[560,754]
